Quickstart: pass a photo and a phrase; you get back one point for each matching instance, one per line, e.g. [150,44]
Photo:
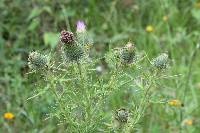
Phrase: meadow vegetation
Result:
[100,66]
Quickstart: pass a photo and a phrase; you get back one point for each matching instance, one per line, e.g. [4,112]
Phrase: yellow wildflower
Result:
[149,28]
[165,18]
[8,115]
[188,122]
[88,46]
[198,85]
[197,5]
[174,102]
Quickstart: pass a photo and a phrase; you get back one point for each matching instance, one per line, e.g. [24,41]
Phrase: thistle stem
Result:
[67,119]
[80,71]
[85,89]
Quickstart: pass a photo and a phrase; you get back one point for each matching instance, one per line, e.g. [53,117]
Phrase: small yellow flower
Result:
[8,115]
[165,18]
[197,5]
[88,46]
[174,102]
[198,85]
[188,122]
[149,28]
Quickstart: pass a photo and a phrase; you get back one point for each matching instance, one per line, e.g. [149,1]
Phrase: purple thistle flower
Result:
[80,26]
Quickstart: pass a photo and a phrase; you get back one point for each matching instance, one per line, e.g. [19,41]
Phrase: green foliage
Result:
[51,39]
[34,25]
[83,99]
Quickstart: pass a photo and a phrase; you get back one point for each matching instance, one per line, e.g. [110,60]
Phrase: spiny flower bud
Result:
[66,37]
[161,61]
[73,53]
[78,113]
[127,54]
[37,60]
[121,115]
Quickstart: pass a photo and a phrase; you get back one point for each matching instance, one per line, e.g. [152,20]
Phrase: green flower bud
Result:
[78,113]
[37,60]
[73,53]
[127,54]
[161,61]
[121,115]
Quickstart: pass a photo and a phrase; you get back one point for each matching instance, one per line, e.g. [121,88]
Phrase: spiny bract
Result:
[127,54]
[121,115]
[37,60]
[161,61]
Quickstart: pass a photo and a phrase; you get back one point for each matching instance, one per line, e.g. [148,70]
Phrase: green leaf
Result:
[51,39]
[34,13]
[196,14]
[47,9]
[34,24]
[68,12]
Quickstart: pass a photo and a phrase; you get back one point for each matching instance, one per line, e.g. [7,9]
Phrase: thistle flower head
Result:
[66,37]
[161,61]
[73,51]
[37,60]
[80,26]
[127,53]
[121,115]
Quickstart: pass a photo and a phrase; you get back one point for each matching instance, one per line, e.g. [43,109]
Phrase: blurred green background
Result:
[27,25]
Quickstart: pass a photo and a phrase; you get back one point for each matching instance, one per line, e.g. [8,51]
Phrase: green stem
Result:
[188,77]
[143,103]
[67,119]
[80,72]
[86,93]
[59,101]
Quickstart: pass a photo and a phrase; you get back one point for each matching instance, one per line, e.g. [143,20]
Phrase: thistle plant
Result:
[83,103]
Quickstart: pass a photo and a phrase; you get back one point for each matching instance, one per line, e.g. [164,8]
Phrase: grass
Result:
[34,25]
